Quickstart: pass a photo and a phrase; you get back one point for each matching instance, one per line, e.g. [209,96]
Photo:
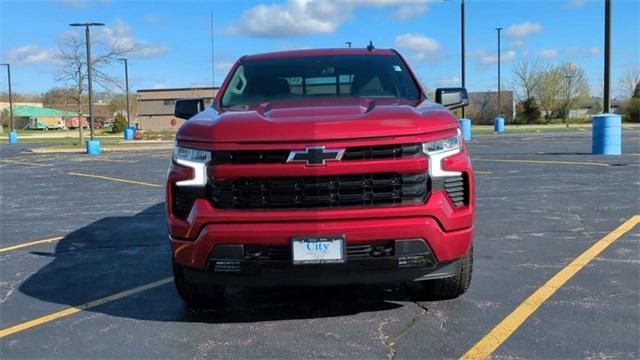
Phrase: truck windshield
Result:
[261,80]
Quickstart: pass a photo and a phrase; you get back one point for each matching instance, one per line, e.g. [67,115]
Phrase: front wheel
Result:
[196,295]
[452,287]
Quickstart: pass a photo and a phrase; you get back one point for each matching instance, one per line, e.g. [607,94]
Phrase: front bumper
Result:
[353,272]
[445,247]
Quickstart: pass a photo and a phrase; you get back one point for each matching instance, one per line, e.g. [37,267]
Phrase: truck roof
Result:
[320,52]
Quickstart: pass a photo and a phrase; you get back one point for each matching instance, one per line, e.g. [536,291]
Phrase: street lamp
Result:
[126,80]
[499,99]
[12,134]
[462,47]
[89,66]
[607,54]
[567,107]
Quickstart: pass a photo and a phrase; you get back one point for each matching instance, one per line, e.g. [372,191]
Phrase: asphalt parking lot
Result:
[99,286]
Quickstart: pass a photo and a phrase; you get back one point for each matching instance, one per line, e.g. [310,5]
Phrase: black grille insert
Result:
[361,190]
[457,189]
[183,199]
[394,151]
[283,253]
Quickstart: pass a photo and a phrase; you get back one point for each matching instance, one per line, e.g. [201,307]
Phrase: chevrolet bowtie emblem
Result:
[315,155]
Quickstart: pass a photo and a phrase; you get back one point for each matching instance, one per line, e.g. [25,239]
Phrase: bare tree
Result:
[72,67]
[628,82]
[527,76]
[575,87]
[548,90]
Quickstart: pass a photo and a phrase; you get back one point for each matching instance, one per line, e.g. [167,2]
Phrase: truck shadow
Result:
[115,254]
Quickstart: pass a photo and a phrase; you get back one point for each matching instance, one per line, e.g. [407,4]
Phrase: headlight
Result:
[195,159]
[450,144]
[439,149]
[195,155]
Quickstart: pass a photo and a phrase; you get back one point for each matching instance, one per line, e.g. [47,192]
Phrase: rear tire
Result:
[452,287]
[196,295]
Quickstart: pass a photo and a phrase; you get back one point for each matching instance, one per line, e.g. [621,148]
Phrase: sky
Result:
[172,39]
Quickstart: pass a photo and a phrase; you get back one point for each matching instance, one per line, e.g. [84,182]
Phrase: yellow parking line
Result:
[30,243]
[115,179]
[512,322]
[544,162]
[23,163]
[482,172]
[76,309]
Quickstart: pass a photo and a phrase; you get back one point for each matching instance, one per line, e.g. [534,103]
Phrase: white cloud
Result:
[305,17]
[449,81]
[82,4]
[30,55]
[382,2]
[120,37]
[487,59]
[523,30]
[156,20]
[577,51]
[424,47]
[223,65]
[572,4]
[516,44]
[409,11]
[293,18]
[416,42]
[549,53]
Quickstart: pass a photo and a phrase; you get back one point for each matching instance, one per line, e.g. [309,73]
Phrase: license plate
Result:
[318,250]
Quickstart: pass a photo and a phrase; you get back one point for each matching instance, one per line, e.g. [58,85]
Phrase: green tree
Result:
[548,91]
[631,109]
[530,111]
[120,123]
[575,88]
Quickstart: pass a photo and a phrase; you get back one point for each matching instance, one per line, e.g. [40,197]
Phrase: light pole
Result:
[89,66]
[12,133]
[607,54]
[462,50]
[567,108]
[499,99]
[126,81]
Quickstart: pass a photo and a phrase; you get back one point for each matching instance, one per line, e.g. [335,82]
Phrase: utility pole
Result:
[607,55]
[10,97]
[213,66]
[126,81]
[462,50]
[567,107]
[89,66]
[499,99]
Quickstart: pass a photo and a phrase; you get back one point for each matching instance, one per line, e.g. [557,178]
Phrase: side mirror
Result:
[452,98]
[187,108]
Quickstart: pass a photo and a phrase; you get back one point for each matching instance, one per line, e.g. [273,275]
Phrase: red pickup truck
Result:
[320,167]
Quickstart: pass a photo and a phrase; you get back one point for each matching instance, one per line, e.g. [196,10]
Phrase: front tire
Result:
[196,295]
[452,287]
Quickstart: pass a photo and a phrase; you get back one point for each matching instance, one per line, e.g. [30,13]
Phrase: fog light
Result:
[411,261]
[227,266]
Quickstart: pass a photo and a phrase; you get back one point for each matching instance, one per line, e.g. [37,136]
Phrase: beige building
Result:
[155,106]
[5,104]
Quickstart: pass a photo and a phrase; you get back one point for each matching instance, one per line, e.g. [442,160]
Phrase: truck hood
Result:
[318,119]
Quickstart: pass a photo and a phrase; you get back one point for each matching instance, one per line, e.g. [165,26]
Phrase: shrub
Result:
[631,110]
[119,124]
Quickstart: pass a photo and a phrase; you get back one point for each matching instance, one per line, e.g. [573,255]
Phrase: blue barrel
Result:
[465,127]
[93,147]
[13,137]
[498,125]
[128,133]
[606,135]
